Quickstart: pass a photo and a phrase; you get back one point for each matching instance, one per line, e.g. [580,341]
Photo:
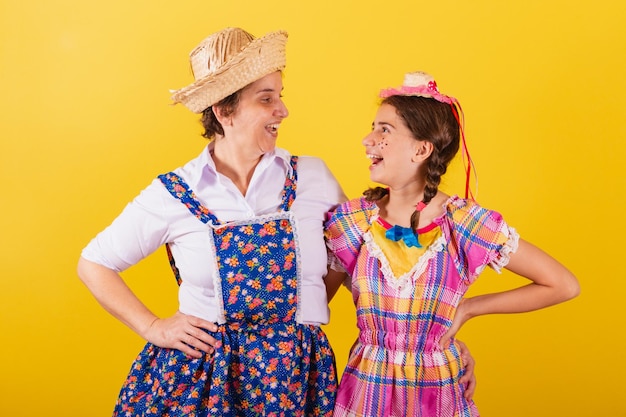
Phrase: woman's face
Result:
[259,113]
[391,148]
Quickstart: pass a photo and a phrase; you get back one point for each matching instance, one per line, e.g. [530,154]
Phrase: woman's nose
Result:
[281,110]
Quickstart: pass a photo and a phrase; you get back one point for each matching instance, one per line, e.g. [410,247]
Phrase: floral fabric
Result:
[267,364]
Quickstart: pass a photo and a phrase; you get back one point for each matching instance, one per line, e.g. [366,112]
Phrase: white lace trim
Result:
[296,239]
[406,280]
[509,247]
[334,263]
[279,215]
[217,281]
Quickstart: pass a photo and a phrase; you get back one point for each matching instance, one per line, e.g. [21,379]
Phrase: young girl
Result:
[412,252]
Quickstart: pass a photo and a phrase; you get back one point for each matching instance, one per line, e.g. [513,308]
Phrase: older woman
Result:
[243,225]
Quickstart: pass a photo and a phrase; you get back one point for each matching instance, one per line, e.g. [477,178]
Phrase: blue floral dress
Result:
[268,364]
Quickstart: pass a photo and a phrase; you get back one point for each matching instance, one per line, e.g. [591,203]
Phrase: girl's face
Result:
[392,149]
[259,113]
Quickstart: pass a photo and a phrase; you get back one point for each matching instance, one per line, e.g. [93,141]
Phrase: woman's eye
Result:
[385,129]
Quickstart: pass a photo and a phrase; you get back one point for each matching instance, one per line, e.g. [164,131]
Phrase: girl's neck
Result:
[398,207]
[399,204]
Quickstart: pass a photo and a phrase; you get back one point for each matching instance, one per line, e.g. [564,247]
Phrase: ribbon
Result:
[406,234]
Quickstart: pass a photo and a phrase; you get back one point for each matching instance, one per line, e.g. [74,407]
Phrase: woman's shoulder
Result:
[317,182]
[191,171]
[308,167]
[311,164]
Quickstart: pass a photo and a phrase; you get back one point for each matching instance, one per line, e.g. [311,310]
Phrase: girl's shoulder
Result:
[356,205]
[356,215]
[462,211]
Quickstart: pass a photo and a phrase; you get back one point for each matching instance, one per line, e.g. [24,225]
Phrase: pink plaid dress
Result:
[395,367]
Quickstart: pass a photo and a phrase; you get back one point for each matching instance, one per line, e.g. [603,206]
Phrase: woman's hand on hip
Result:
[183,332]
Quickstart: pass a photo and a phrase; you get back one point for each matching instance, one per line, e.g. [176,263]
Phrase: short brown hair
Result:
[210,123]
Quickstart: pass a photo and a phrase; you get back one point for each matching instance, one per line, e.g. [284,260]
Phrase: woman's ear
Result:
[423,150]
[218,111]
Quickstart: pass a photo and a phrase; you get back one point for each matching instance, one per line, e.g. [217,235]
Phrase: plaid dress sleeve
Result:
[344,231]
[478,238]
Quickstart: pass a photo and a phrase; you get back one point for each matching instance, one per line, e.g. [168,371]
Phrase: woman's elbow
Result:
[86,270]
[80,268]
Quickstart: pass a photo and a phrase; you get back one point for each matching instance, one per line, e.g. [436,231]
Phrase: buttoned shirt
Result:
[155,217]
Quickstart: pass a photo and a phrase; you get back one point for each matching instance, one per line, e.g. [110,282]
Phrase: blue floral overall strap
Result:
[179,189]
[289,191]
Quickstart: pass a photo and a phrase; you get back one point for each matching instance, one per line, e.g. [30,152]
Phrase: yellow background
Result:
[85,123]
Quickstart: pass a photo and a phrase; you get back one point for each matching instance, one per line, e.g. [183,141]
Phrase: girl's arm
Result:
[333,281]
[181,331]
[551,283]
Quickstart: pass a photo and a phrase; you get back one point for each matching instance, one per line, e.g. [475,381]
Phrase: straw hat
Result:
[419,84]
[227,61]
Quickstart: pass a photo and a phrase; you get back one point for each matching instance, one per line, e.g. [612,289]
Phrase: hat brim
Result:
[262,56]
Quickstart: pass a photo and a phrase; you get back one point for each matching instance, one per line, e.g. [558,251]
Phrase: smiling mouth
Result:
[374,158]
[273,128]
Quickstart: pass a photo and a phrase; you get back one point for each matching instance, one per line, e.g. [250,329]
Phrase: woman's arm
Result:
[181,331]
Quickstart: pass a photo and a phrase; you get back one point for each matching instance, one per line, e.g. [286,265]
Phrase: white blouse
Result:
[155,217]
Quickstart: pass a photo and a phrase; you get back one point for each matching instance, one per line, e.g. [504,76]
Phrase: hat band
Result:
[429,90]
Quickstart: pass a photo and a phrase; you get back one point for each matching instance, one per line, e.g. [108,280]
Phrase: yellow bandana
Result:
[402,258]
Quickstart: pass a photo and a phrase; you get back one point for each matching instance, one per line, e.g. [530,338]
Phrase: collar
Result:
[276,156]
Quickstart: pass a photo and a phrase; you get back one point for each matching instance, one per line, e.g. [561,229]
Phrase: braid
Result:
[436,168]
[415,220]
[375,194]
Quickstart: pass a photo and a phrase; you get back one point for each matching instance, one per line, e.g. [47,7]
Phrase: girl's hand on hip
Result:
[468,379]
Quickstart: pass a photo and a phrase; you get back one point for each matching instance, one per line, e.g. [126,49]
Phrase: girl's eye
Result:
[385,129]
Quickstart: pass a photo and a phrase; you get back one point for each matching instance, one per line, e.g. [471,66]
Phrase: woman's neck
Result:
[235,163]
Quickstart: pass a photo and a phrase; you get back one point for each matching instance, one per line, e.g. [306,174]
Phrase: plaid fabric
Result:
[396,367]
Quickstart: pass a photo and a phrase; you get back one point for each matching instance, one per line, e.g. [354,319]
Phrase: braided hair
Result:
[434,122]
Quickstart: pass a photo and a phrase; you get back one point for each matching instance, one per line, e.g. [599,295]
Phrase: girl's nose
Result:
[368,140]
